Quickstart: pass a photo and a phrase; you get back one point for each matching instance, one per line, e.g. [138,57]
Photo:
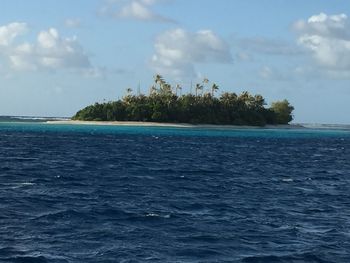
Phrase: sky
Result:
[57,56]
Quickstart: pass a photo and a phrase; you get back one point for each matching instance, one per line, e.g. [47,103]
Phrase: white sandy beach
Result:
[178,125]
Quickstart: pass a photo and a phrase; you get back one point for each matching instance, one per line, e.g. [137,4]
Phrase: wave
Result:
[32,259]
[123,197]
[15,255]
[28,259]
[305,257]
[31,119]
[326,126]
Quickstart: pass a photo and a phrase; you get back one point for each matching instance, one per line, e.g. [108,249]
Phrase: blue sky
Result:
[59,56]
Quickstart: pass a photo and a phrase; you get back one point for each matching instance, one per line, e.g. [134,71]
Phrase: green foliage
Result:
[283,111]
[162,105]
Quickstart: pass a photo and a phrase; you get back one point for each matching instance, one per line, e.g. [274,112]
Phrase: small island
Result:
[167,104]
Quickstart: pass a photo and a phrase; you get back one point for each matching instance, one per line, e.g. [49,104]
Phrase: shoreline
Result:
[174,125]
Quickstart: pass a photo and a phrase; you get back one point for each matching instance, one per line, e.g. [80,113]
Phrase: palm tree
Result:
[128,96]
[178,87]
[198,87]
[158,79]
[259,101]
[214,88]
[228,98]
[128,91]
[166,88]
[204,82]
[153,90]
[246,98]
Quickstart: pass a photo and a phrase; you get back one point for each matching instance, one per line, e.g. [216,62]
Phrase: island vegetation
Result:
[166,103]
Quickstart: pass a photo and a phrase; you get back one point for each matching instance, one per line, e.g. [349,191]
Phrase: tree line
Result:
[166,103]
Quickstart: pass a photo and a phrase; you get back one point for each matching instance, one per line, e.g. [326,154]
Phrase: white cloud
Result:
[335,26]
[9,32]
[49,51]
[177,51]
[136,10]
[48,39]
[328,40]
[133,9]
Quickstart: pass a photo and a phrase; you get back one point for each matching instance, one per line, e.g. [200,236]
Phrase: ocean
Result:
[77,193]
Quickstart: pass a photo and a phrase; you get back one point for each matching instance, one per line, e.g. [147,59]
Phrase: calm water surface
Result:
[138,194]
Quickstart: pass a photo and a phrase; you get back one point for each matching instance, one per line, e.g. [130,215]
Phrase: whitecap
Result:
[152,215]
[157,215]
[27,183]
[19,185]
[288,180]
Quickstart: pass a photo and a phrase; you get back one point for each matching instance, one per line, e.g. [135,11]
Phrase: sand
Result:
[178,125]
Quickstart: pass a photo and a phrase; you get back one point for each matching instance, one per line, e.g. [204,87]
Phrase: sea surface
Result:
[73,193]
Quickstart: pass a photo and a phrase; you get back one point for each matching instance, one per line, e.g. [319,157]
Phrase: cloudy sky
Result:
[58,56]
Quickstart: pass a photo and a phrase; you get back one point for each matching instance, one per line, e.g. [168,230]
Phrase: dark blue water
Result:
[133,194]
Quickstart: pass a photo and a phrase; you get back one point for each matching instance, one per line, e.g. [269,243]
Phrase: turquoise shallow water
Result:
[76,193]
[175,131]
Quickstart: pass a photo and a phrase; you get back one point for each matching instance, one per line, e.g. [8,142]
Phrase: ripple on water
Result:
[165,195]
